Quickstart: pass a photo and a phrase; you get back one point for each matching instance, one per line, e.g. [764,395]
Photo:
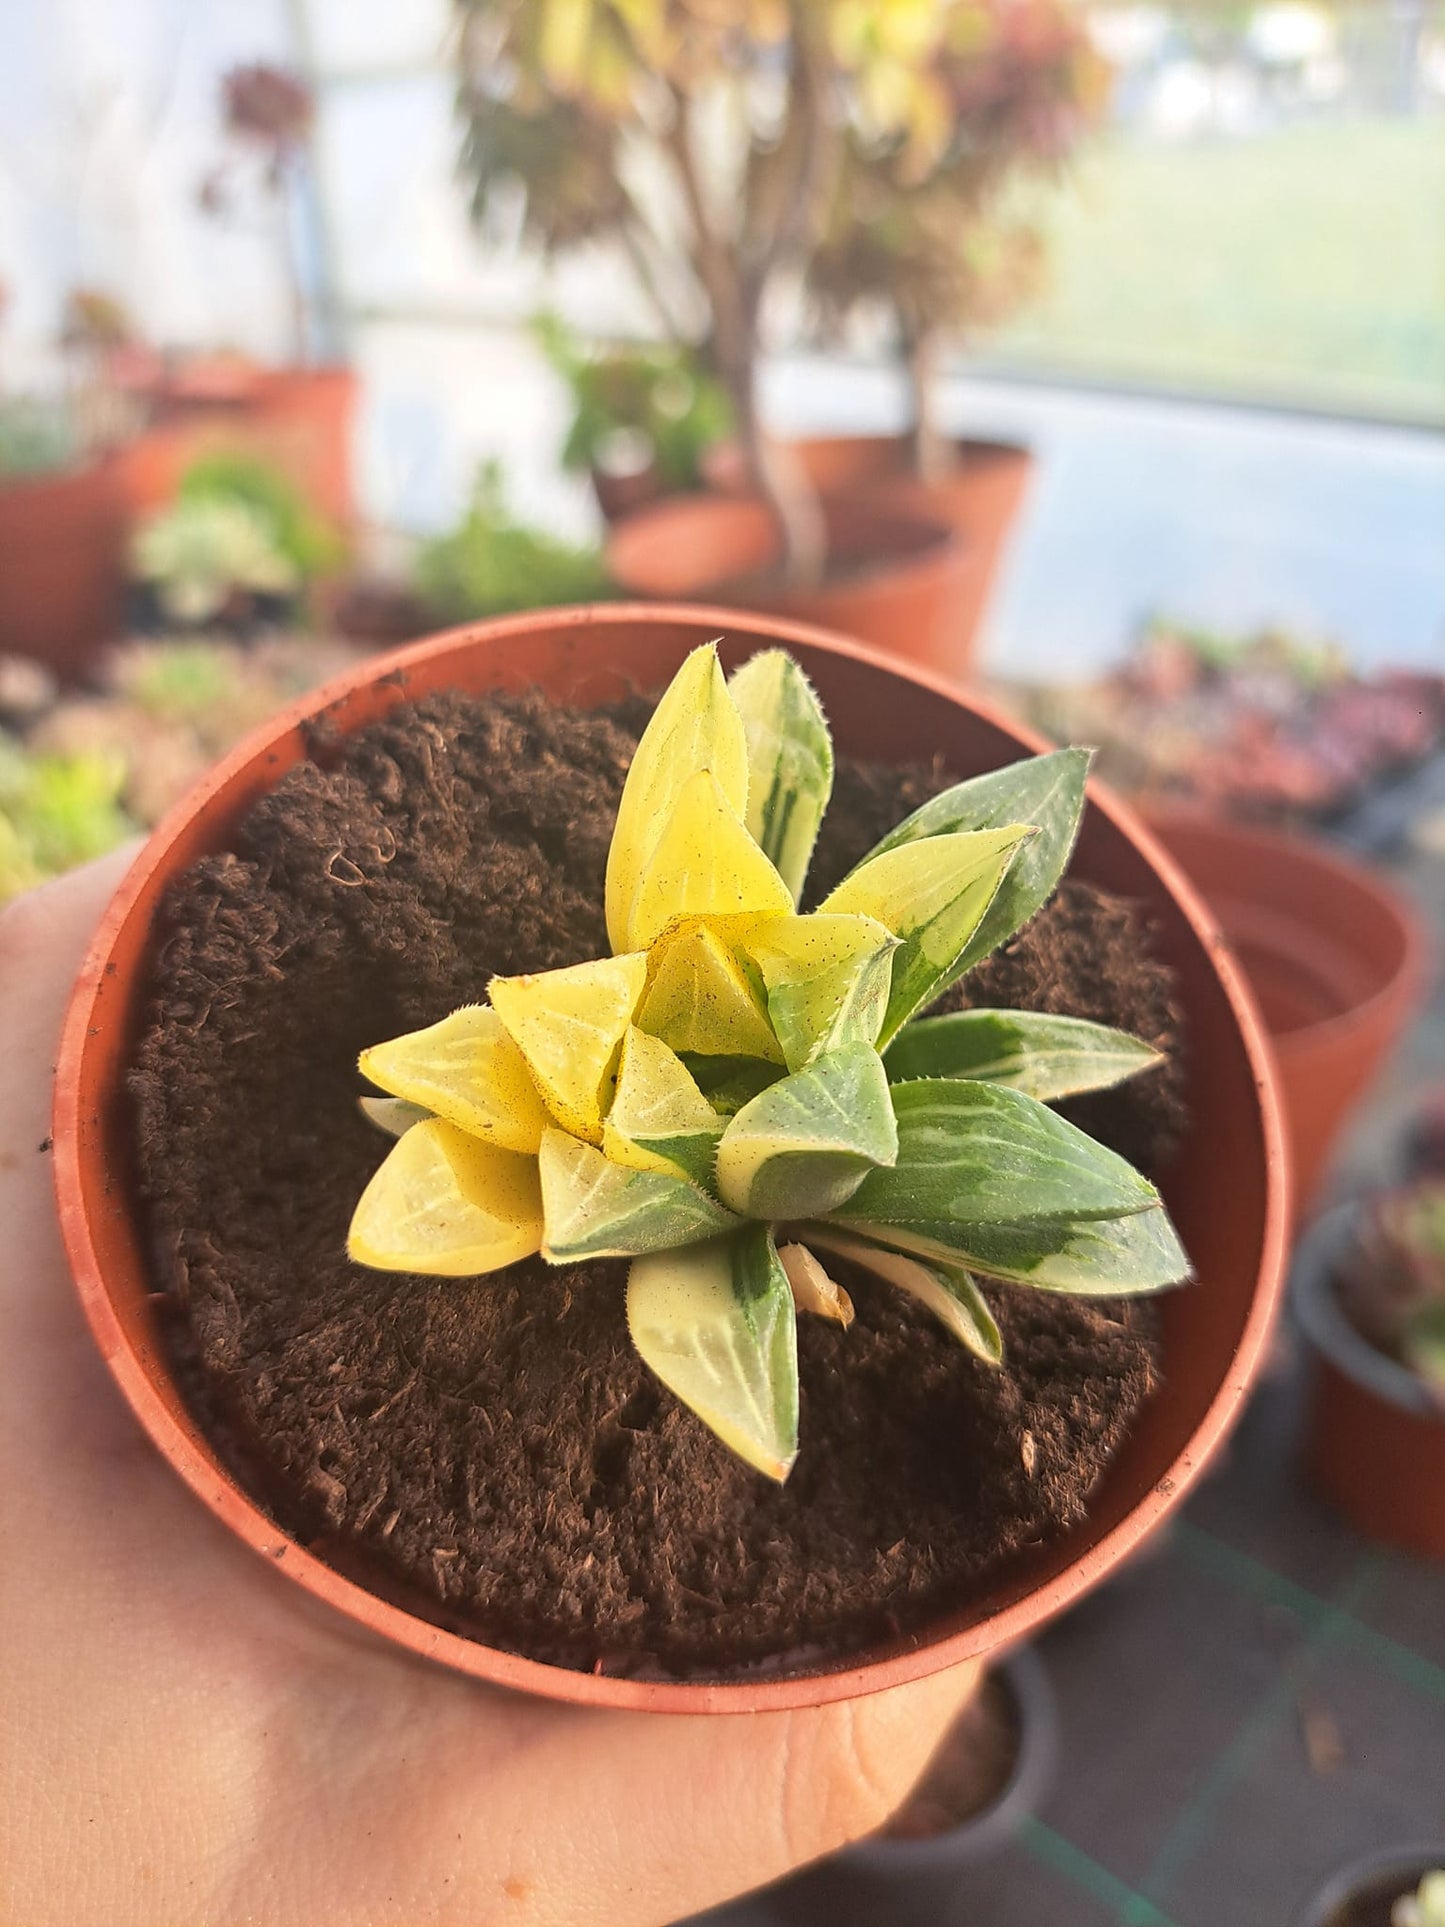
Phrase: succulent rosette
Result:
[743,1090]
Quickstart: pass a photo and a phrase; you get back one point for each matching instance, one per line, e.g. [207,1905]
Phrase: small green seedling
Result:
[1423,1908]
[1407,1278]
[741,1090]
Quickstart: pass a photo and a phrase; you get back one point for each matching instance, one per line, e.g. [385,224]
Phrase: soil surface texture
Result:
[492,1451]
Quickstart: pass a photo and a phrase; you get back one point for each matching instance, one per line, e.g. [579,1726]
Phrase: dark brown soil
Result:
[968,1774]
[494,1445]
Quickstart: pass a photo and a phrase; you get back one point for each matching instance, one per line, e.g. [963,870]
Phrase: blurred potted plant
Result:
[63,502]
[237,548]
[297,417]
[491,563]
[923,232]
[737,122]
[642,417]
[1335,955]
[429,730]
[1401,1887]
[1369,1290]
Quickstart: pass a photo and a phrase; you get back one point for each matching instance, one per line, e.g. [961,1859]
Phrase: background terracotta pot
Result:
[62,564]
[1374,1435]
[980,499]
[1227,1187]
[300,420]
[1336,957]
[893,579]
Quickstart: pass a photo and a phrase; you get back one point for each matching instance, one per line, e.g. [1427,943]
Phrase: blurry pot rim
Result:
[1323,1254]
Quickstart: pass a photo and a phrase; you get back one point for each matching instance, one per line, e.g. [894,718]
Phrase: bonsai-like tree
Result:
[706,141]
[720,146]
[920,225]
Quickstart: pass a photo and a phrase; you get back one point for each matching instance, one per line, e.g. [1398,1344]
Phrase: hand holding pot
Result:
[186,1738]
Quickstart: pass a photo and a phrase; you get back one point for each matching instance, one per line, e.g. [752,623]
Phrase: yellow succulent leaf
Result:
[704,864]
[695,727]
[467,1070]
[656,1095]
[446,1203]
[699,996]
[827,981]
[656,1103]
[568,1025]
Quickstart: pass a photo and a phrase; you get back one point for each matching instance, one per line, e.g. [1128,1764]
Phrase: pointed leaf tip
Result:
[695,728]
[790,760]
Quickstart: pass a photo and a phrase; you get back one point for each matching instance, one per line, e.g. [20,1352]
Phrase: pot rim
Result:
[944,547]
[1347,1881]
[1317,1311]
[1405,982]
[744,1692]
[1033,1769]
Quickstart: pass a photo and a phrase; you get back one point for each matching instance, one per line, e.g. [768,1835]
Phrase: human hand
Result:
[188,1741]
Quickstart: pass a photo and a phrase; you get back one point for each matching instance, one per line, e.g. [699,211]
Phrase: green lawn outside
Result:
[1304,265]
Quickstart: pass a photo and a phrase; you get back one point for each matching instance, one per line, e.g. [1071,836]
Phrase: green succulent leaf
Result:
[790,761]
[695,728]
[717,1324]
[1047,791]
[803,1146]
[593,1208]
[660,1120]
[978,1154]
[827,979]
[1044,1057]
[1093,1258]
[446,1203]
[932,895]
[1422,1344]
[730,1082]
[945,1288]
[468,1070]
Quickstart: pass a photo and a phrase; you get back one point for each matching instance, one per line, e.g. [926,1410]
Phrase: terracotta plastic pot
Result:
[1374,1435]
[298,419]
[979,499]
[1372,1883]
[62,564]
[901,1881]
[1227,1187]
[1336,958]
[892,580]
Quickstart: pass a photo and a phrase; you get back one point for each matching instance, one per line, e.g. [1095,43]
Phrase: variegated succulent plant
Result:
[742,1091]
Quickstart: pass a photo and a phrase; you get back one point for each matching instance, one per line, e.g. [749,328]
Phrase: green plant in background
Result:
[55,811]
[1399,1295]
[741,1090]
[491,563]
[307,541]
[201,557]
[636,408]
[237,529]
[1425,1907]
